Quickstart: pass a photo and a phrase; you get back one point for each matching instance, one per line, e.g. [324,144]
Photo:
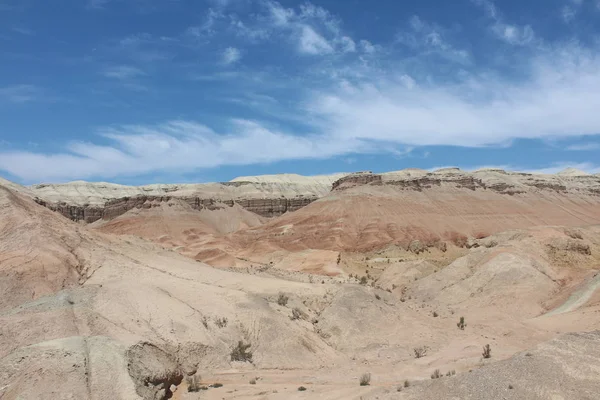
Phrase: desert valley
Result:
[412,284]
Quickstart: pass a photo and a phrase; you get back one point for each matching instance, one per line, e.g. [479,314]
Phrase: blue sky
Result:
[145,91]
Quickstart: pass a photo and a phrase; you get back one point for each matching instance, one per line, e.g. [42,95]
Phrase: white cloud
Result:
[315,30]
[560,99]
[123,72]
[180,146]
[367,47]
[313,43]
[19,93]
[231,55]
[513,34]
[510,33]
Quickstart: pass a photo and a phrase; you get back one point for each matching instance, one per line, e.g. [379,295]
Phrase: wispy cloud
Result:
[510,33]
[174,146]
[123,72]
[20,93]
[97,4]
[23,31]
[231,55]
[429,38]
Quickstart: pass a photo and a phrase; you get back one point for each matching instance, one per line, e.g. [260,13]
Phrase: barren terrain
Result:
[287,287]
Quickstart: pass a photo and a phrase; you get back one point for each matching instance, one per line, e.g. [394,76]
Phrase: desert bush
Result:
[282,300]
[296,314]
[193,383]
[406,383]
[378,297]
[221,322]
[365,379]
[436,374]
[435,314]
[216,385]
[253,381]
[363,280]
[339,259]
[420,352]
[451,373]
[241,353]
[487,351]
[461,324]
[301,389]
[205,322]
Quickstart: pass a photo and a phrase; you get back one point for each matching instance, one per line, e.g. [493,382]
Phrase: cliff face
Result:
[499,181]
[267,196]
[113,208]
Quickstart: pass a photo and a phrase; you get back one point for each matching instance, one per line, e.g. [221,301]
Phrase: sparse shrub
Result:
[420,352]
[221,322]
[363,280]
[193,383]
[339,259]
[301,389]
[378,297]
[282,300]
[241,353]
[436,374]
[216,385]
[510,386]
[487,351]
[461,324]
[406,383]
[205,322]
[253,381]
[451,373]
[296,314]
[365,379]
[435,314]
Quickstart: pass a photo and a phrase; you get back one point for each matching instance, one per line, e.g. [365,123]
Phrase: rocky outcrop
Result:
[114,208]
[499,181]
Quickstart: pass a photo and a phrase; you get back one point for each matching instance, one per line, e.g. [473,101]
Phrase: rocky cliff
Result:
[268,196]
[497,180]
